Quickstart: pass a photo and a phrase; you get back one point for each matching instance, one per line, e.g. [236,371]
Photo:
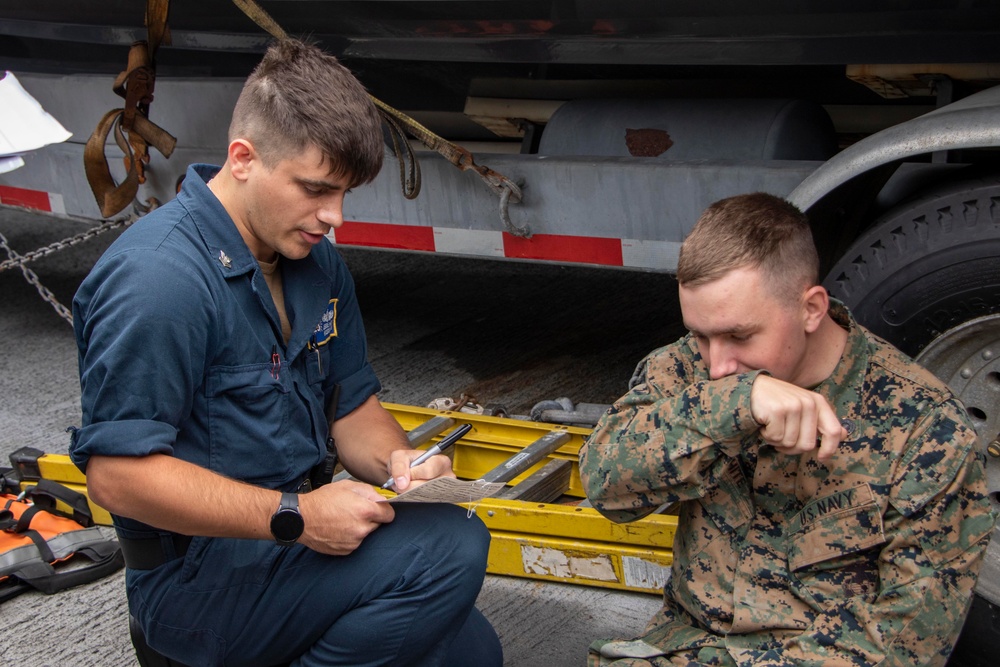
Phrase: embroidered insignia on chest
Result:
[224,258]
[834,503]
[327,327]
[858,579]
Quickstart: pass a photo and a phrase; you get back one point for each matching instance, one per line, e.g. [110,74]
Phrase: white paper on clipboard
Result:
[448,490]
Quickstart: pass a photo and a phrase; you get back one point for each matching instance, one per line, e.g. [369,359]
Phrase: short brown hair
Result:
[298,95]
[759,231]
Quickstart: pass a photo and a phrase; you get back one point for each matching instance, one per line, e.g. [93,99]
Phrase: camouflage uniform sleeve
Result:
[937,528]
[668,438]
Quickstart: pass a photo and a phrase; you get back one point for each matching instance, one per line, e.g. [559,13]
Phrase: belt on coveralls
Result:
[148,553]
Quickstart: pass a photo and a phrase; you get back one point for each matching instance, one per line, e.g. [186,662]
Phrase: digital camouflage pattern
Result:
[869,558]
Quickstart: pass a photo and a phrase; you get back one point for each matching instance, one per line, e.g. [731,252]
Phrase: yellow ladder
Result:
[533,535]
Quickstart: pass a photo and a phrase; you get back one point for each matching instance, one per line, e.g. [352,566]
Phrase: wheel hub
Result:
[967,358]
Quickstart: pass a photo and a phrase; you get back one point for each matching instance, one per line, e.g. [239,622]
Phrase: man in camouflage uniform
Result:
[831,496]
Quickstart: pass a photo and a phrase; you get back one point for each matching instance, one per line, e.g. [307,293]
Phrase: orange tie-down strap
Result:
[134,132]
[112,198]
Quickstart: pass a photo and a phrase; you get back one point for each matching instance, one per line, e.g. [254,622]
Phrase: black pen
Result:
[442,445]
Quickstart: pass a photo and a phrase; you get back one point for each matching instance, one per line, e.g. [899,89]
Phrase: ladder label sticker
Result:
[641,573]
[516,459]
[567,564]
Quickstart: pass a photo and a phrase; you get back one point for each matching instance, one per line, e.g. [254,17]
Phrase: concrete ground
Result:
[504,332]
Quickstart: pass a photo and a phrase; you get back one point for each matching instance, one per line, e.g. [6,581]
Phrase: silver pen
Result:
[441,445]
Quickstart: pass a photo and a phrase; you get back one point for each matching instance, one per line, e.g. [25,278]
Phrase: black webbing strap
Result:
[44,552]
[46,493]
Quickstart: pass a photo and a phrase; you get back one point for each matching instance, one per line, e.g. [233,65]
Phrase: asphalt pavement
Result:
[503,332]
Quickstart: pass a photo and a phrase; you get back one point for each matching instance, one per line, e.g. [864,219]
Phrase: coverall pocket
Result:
[832,545]
[216,563]
[248,416]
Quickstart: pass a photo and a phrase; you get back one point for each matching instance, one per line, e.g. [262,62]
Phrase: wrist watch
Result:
[287,524]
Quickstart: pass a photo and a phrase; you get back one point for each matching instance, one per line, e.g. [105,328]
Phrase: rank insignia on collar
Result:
[224,258]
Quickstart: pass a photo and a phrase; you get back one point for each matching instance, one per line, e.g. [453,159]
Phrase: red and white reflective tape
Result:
[604,251]
[39,200]
[659,255]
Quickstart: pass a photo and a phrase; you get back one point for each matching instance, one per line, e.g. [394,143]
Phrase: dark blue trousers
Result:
[404,597]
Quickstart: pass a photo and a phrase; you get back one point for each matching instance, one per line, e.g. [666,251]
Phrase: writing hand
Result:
[795,420]
[404,476]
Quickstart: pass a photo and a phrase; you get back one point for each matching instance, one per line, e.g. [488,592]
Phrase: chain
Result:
[20,261]
[32,278]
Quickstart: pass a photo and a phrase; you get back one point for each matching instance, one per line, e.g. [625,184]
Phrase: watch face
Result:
[286,526]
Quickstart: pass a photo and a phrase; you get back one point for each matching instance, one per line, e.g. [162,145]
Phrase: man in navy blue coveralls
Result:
[212,336]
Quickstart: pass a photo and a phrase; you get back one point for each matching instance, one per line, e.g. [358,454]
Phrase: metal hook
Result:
[510,189]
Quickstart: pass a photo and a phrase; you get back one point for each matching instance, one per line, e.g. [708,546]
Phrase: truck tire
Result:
[926,277]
